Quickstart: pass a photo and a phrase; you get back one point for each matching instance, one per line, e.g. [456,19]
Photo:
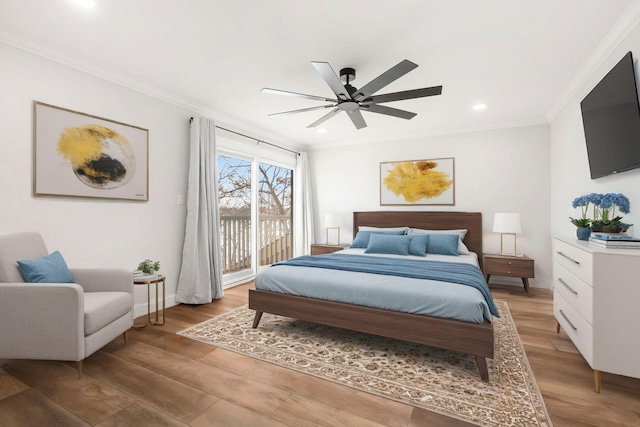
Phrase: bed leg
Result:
[256,320]
[482,367]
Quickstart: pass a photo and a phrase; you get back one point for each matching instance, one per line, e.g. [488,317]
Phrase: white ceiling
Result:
[214,56]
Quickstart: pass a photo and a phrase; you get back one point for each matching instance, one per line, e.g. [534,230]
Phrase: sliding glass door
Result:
[234,196]
[274,213]
[255,215]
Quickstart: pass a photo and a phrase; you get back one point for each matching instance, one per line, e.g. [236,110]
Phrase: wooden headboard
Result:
[472,221]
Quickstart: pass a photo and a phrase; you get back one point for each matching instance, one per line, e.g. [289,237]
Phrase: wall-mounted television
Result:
[611,120]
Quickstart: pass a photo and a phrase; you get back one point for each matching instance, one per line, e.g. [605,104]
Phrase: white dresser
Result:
[596,301]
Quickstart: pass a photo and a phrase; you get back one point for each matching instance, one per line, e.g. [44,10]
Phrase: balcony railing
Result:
[274,236]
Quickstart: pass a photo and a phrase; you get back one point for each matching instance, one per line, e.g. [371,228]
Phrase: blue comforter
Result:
[464,274]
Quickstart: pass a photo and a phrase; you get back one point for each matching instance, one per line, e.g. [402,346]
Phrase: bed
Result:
[476,339]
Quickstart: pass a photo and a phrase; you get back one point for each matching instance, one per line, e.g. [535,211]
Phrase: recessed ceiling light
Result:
[322,130]
[479,107]
[88,4]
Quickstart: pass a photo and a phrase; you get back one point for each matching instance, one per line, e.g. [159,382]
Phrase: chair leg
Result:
[124,335]
[80,369]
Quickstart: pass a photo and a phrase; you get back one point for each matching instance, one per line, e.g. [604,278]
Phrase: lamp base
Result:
[327,239]
[502,248]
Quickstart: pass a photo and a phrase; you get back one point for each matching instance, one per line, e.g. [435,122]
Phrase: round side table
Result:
[149,283]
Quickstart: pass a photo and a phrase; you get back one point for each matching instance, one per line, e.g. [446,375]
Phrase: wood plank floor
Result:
[159,378]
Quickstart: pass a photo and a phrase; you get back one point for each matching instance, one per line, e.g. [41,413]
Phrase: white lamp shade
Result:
[333,220]
[506,223]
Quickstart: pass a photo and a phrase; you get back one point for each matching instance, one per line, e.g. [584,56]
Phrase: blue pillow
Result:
[443,244]
[50,269]
[418,245]
[388,244]
[362,238]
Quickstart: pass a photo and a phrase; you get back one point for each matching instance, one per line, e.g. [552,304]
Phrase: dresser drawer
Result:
[576,260]
[575,326]
[516,267]
[575,290]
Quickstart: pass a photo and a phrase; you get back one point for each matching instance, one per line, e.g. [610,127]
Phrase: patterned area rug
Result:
[438,380]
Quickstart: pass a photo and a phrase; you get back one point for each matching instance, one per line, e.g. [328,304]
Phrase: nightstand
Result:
[322,248]
[501,265]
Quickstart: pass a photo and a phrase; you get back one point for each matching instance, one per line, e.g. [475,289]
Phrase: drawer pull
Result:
[567,286]
[568,321]
[568,257]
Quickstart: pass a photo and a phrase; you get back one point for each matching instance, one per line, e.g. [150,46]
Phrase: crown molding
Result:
[145,89]
[627,22]
[432,133]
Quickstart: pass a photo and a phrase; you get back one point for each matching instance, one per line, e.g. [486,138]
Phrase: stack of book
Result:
[615,241]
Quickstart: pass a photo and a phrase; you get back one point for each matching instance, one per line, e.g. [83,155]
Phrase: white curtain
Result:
[303,213]
[200,278]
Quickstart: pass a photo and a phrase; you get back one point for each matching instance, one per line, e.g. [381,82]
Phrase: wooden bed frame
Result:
[471,338]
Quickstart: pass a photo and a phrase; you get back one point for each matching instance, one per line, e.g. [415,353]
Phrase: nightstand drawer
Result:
[576,260]
[319,249]
[508,267]
[575,290]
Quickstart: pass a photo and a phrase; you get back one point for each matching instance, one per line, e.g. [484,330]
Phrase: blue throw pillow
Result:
[362,238]
[50,269]
[388,244]
[418,245]
[443,244]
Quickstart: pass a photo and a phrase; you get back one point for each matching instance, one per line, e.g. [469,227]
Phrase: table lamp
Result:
[509,224]
[333,221]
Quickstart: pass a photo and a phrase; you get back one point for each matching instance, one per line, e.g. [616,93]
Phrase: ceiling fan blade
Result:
[296,94]
[324,118]
[407,94]
[384,79]
[357,119]
[380,109]
[302,110]
[330,76]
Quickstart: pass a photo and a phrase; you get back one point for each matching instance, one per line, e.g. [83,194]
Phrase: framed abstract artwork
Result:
[418,182]
[80,155]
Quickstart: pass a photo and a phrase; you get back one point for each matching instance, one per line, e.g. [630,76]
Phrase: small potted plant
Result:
[149,267]
[605,218]
[584,231]
[604,214]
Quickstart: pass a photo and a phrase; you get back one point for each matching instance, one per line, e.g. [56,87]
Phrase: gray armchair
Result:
[59,321]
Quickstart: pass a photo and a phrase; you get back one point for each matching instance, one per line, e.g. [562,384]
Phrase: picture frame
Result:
[418,182]
[82,155]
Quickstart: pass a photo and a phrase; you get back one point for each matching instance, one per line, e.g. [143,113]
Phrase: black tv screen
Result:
[611,120]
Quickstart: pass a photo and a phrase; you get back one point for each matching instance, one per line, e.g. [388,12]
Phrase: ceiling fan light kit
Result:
[352,100]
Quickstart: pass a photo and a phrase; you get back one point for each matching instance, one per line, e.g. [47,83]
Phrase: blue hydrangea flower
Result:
[622,202]
[604,207]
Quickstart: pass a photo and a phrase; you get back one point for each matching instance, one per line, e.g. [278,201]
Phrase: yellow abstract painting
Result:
[81,155]
[417,182]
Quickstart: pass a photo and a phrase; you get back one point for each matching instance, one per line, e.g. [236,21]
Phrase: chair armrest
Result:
[41,321]
[103,279]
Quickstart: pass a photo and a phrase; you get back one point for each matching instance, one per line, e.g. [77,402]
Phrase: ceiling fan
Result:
[352,100]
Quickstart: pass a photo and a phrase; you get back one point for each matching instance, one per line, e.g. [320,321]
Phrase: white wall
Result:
[569,163]
[92,232]
[495,171]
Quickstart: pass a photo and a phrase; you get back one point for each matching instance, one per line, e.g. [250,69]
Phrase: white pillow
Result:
[462,248]
[367,228]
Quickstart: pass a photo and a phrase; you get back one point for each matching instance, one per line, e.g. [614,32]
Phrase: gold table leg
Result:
[164,303]
[148,303]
